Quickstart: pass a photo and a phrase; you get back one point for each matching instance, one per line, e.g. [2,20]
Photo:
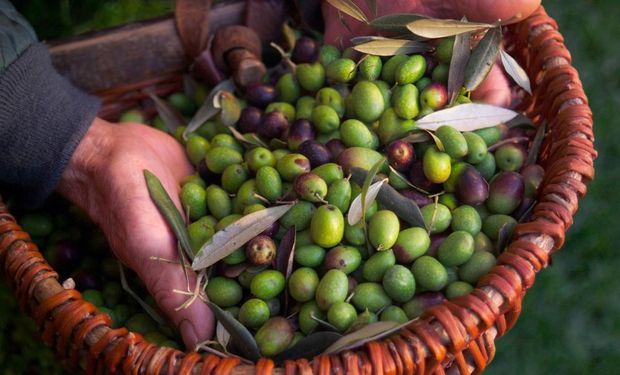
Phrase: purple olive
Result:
[335,147]
[250,119]
[261,250]
[420,199]
[272,230]
[300,131]
[533,175]
[306,51]
[274,125]
[261,94]
[418,178]
[207,175]
[430,64]
[434,96]
[316,152]
[471,187]
[400,153]
[505,192]
[436,241]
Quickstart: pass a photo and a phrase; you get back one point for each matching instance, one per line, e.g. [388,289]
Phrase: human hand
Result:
[105,178]
[495,89]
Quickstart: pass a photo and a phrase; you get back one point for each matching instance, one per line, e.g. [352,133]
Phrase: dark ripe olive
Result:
[430,64]
[436,241]
[261,250]
[434,96]
[260,94]
[417,177]
[400,154]
[505,192]
[316,152]
[274,124]
[86,279]
[300,131]
[335,147]
[471,187]
[306,51]
[533,175]
[65,256]
[419,198]
[250,119]
[208,176]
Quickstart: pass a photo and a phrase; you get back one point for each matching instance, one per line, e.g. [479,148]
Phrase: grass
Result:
[570,322]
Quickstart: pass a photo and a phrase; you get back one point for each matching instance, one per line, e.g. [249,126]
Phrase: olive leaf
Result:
[145,306]
[169,211]
[416,137]
[171,117]
[406,181]
[521,120]
[372,5]
[350,8]
[236,235]
[366,38]
[324,323]
[309,346]
[460,56]
[233,271]
[207,110]
[241,337]
[357,210]
[230,108]
[249,139]
[482,59]
[391,47]
[441,28]
[222,335]
[435,139]
[503,237]
[396,22]
[363,335]
[534,150]
[514,70]
[391,199]
[286,252]
[467,117]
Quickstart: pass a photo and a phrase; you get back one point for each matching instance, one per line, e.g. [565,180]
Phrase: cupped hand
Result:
[105,178]
[495,89]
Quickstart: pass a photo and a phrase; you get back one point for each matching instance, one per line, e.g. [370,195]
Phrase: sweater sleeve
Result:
[43,116]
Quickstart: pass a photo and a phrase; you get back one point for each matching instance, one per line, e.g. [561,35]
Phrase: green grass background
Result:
[570,322]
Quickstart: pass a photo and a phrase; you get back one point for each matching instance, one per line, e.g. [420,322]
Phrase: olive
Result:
[288,88]
[274,336]
[269,183]
[317,153]
[300,215]
[344,258]
[260,94]
[285,108]
[304,107]
[370,67]
[437,217]
[332,288]
[355,134]
[250,120]
[421,302]
[329,172]
[411,244]
[405,101]
[437,165]
[443,51]
[383,229]
[306,50]
[259,157]
[310,187]
[419,198]
[391,126]
[325,118]
[477,266]
[300,131]
[274,124]
[410,70]
[434,96]
[429,273]
[261,250]
[328,53]
[505,192]
[327,226]
[331,97]
[453,141]
[533,175]
[471,189]
[302,284]
[509,157]
[291,165]
[311,76]
[389,68]
[368,101]
[335,147]
[440,73]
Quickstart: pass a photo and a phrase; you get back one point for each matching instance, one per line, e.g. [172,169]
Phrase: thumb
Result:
[195,322]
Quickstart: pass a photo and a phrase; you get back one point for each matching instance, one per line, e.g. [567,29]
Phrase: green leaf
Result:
[482,59]
[309,346]
[324,323]
[396,22]
[350,8]
[391,47]
[208,109]
[145,306]
[467,117]
[441,28]
[249,139]
[172,119]
[241,337]
[460,56]
[514,70]
[236,235]
[169,211]
[391,199]
[361,336]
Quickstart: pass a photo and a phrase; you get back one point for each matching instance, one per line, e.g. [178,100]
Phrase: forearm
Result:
[42,116]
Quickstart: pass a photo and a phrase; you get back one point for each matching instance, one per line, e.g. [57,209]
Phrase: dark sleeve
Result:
[42,116]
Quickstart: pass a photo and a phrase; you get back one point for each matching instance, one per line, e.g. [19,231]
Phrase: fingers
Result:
[492,10]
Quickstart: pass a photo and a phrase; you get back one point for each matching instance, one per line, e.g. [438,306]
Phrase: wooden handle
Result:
[237,50]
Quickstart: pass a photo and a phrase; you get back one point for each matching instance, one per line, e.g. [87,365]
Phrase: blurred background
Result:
[570,322]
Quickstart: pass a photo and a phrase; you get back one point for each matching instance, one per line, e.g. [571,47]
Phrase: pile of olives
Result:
[333,112]
[337,111]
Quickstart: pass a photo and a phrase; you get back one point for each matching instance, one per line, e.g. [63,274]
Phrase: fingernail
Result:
[188,332]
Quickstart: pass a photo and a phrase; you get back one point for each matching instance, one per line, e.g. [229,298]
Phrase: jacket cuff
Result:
[43,117]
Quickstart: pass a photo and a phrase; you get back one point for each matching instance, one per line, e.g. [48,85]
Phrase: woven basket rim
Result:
[460,332]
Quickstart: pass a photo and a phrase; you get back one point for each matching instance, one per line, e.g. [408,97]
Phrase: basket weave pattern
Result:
[454,337]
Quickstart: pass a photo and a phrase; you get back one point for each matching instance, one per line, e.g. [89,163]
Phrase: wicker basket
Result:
[454,337]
